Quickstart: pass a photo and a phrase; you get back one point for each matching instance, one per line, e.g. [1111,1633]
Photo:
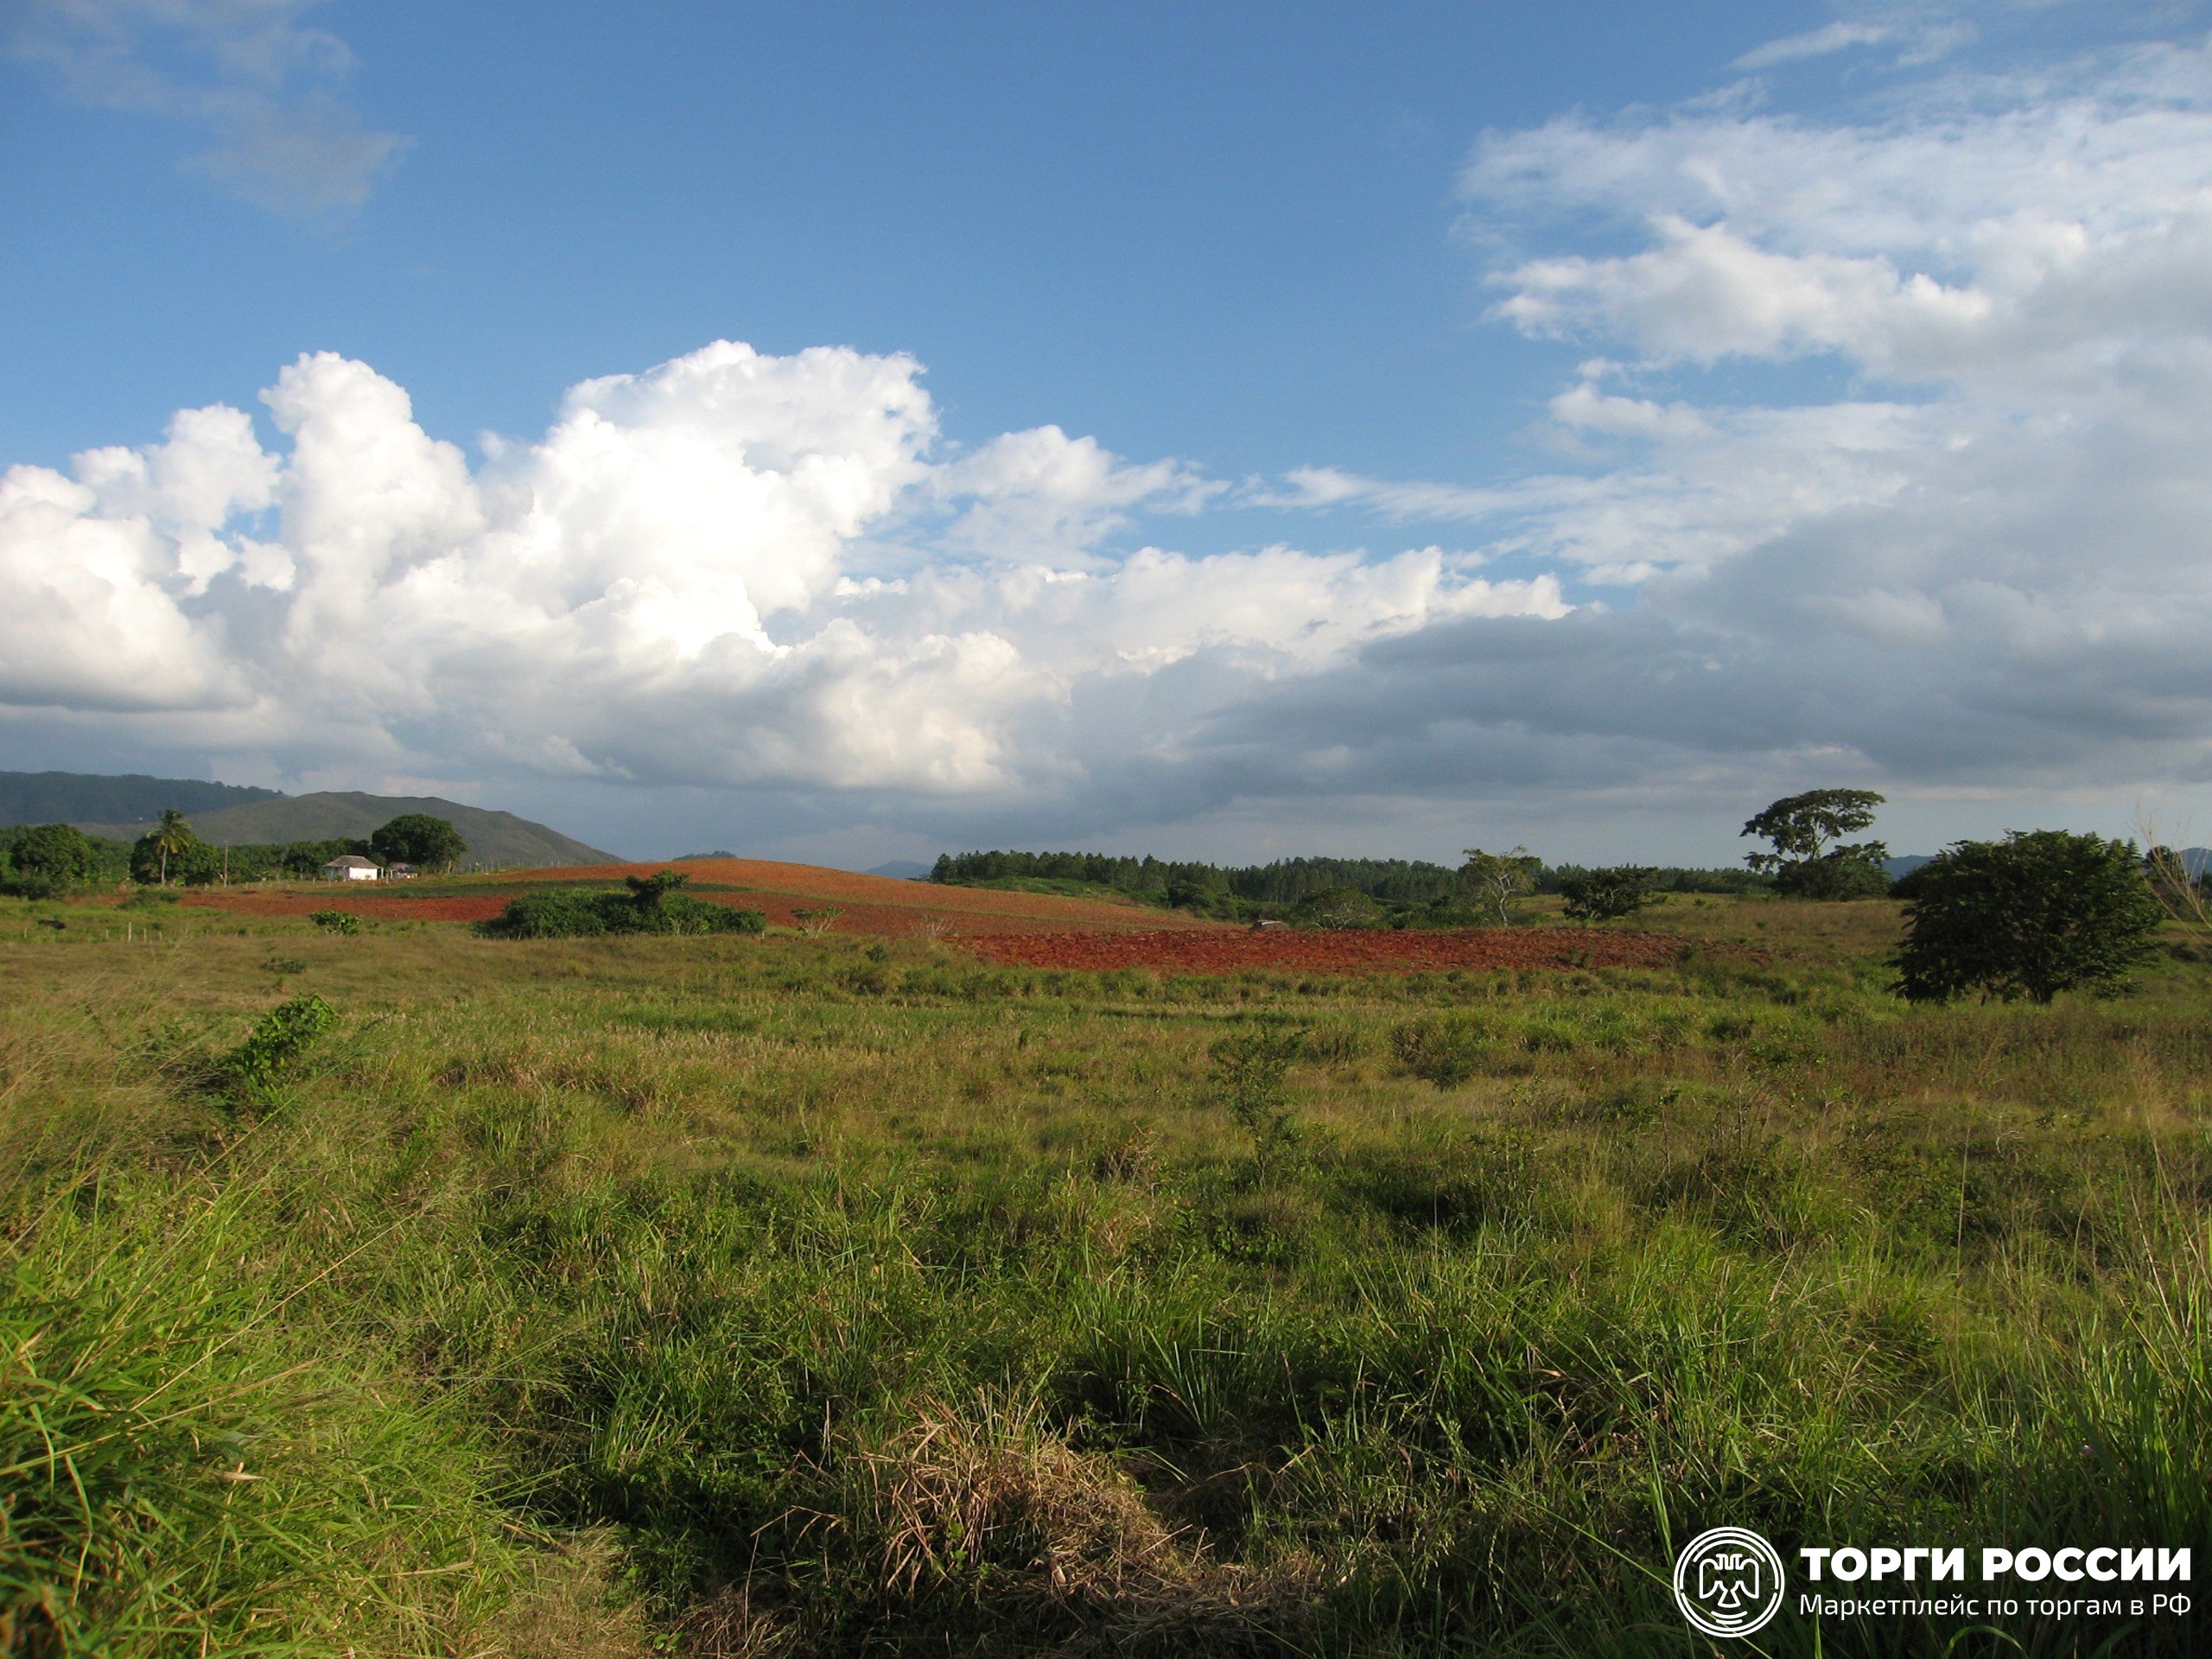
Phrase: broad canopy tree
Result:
[418,839]
[51,858]
[2037,913]
[1607,895]
[1810,859]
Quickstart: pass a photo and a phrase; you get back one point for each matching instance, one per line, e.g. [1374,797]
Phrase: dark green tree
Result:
[1810,858]
[2038,912]
[648,891]
[51,858]
[417,838]
[165,849]
[1603,895]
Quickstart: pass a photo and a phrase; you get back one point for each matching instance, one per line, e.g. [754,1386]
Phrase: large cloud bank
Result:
[1886,461]
[1964,535]
[735,569]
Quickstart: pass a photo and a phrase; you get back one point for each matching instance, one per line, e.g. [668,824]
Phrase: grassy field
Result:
[831,1295]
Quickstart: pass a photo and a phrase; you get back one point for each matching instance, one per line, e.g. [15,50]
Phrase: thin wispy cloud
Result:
[1816,43]
[267,91]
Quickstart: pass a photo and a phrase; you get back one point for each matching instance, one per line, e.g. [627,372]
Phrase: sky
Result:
[850,433]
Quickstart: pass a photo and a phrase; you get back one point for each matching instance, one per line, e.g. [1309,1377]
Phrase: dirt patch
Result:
[1228,951]
[373,906]
[871,904]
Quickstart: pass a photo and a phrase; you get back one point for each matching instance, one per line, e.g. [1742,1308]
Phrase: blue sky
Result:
[1232,430]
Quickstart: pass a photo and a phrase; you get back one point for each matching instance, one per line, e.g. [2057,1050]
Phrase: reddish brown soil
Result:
[1228,951]
[391,907]
[864,904]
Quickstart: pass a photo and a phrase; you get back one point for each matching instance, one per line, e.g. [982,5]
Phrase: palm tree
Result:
[172,835]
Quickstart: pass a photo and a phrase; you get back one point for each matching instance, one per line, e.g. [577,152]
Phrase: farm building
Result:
[350,869]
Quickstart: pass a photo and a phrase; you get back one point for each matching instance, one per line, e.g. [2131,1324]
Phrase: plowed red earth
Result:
[864,904]
[392,907]
[1228,950]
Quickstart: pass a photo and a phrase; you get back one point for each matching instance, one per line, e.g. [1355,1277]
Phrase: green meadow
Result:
[773,1296]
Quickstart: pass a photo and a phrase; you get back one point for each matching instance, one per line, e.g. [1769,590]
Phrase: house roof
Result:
[351,861]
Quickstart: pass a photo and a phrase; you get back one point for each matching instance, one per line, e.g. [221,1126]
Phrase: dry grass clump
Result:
[990,1504]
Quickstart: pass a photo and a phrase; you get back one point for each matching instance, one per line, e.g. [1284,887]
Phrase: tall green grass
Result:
[789,1295]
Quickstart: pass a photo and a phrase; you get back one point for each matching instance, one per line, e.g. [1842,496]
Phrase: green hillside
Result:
[493,837]
[76,797]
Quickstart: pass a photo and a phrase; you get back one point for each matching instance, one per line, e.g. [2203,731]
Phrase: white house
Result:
[350,869]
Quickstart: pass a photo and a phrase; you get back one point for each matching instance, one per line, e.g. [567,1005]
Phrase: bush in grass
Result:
[336,921]
[1444,1051]
[277,1038]
[1248,1072]
[2035,914]
[1607,894]
[649,904]
[50,859]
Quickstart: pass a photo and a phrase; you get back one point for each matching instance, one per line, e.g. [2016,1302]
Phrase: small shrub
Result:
[277,1038]
[1248,1072]
[336,921]
[1446,1053]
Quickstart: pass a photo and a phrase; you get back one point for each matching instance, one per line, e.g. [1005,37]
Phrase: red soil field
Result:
[1228,951]
[391,907]
[880,905]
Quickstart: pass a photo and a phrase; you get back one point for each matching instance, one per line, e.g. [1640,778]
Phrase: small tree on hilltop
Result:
[1810,858]
[1608,895]
[2037,913]
[1500,877]
[417,838]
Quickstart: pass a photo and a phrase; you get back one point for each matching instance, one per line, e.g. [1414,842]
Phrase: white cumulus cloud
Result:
[680,582]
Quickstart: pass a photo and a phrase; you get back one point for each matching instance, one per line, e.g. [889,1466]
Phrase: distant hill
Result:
[124,808]
[901,869]
[77,798]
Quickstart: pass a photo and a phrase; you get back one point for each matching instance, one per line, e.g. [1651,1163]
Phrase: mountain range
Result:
[125,808]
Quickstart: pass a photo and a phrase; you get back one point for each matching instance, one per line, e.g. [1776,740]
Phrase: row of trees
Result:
[43,861]
[2031,915]
[1372,891]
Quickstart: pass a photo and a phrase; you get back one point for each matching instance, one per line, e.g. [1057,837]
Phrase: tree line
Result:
[2033,914]
[1392,884]
[49,860]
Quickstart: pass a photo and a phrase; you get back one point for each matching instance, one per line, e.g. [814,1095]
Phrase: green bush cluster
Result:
[647,905]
